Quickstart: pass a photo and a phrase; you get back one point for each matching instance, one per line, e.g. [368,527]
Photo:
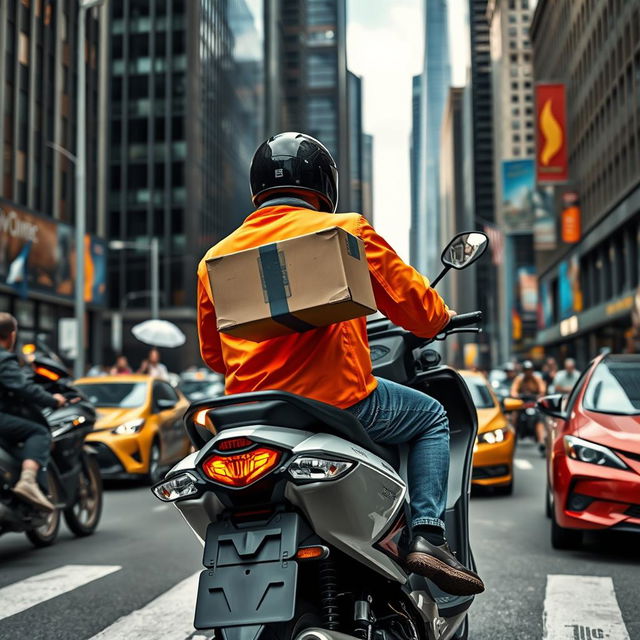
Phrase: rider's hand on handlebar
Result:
[452,314]
[60,399]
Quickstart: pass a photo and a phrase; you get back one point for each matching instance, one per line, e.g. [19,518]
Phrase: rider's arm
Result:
[541,386]
[401,293]
[13,378]
[210,347]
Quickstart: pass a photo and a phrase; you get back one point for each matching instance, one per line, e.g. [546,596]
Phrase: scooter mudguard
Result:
[251,575]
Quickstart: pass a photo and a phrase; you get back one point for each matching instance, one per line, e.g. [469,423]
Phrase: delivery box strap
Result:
[275,283]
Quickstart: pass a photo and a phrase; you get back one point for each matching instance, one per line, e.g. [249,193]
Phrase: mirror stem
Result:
[439,277]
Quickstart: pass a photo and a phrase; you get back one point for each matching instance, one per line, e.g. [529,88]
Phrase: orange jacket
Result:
[331,364]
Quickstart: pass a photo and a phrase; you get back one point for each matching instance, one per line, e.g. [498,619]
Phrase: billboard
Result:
[569,289]
[552,165]
[544,220]
[39,253]
[518,184]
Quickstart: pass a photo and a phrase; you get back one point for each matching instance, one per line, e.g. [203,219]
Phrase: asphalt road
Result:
[143,549]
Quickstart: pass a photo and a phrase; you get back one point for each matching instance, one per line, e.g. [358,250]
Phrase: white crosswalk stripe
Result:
[582,608]
[522,464]
[25,594]
[168,617]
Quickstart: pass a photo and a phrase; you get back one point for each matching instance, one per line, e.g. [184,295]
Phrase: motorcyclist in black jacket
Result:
[15,387]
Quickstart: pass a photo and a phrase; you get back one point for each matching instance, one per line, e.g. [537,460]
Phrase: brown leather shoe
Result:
[438,563]
[30,491]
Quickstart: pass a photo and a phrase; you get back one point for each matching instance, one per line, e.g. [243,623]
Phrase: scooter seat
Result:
[283,409]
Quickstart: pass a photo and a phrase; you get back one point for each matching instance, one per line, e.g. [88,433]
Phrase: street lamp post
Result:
[80,180]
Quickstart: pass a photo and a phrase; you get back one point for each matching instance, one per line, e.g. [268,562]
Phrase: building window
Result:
[515,86]
[515,98]
[513,44]
[515,111]
[530,151]
[516,151]
[322,69]
[515,137]
[528,97]
[515,124]
[513,18]
[513,57]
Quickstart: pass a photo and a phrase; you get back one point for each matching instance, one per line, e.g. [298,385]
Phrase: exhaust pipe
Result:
[323,634]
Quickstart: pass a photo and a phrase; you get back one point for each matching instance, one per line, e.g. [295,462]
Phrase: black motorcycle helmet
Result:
[294,164]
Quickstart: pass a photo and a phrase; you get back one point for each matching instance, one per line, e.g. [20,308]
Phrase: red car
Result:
[593,457]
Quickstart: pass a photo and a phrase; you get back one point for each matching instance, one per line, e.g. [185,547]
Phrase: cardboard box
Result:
[291,286]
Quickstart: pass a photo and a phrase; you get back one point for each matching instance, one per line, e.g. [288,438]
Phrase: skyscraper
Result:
[186,116]
[590,287]
[436,78]
[307,81]
[513,151]
[478,118]
[38,130]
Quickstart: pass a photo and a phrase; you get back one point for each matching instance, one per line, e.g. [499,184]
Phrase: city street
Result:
[132,579]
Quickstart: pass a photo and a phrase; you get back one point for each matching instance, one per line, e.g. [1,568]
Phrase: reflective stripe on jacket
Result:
[331,364]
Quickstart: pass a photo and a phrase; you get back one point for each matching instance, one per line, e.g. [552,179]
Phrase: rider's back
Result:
[330,364]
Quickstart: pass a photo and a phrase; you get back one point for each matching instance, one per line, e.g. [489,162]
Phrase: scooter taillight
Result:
[241,469]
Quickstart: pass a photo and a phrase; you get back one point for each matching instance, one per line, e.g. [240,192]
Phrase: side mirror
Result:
[552,406]
[463,250]
[512,404]
[165,403]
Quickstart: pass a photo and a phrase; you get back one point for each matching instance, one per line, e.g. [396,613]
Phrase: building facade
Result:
[435,81]
[186,116]
[307,83]
[513,165]
[589,289]
[458,287]
[479,178]
[38,98]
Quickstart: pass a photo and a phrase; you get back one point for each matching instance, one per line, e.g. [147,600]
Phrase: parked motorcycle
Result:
[72,478]
[304,518]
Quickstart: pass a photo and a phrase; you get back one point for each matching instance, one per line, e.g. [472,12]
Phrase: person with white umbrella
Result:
[153,367]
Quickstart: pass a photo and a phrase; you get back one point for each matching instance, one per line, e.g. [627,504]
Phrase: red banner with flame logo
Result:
[552,164]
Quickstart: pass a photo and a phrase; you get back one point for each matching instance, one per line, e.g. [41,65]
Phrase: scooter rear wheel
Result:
[46,534]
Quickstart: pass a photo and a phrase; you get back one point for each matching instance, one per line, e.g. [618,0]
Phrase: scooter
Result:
[72,478]
[303,518]
[528,417]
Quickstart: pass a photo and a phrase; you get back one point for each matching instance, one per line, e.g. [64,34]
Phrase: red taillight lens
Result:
[233,443]
[241,469]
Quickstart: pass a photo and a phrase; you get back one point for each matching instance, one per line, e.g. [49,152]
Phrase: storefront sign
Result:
[551,145]
[528,292]
[38,253]
[518,184]
[570,222]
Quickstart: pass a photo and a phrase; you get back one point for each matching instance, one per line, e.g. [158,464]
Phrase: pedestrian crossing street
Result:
[575,607]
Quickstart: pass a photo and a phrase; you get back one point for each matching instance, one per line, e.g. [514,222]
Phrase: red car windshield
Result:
[614,388]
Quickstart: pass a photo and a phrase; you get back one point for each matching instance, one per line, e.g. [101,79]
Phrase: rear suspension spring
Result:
[328,579]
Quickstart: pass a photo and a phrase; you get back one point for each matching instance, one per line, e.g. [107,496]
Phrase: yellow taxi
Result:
[496,441]
[139,430]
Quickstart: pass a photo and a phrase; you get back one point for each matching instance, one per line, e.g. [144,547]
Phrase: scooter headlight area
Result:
[179,486]
[313,469]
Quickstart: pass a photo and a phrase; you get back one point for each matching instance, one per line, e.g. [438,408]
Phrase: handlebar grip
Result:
[464,320]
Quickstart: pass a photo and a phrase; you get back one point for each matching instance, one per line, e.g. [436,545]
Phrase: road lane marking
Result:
[582,608]
[25,594]
[525,465]
[168,617]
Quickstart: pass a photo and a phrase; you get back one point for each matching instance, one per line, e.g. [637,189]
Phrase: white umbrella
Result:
[159,333]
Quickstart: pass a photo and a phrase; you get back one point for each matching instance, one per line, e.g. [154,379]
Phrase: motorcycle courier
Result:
[303,518]
[72,478]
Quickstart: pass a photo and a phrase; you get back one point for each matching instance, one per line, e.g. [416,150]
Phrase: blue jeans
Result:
[395,414]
